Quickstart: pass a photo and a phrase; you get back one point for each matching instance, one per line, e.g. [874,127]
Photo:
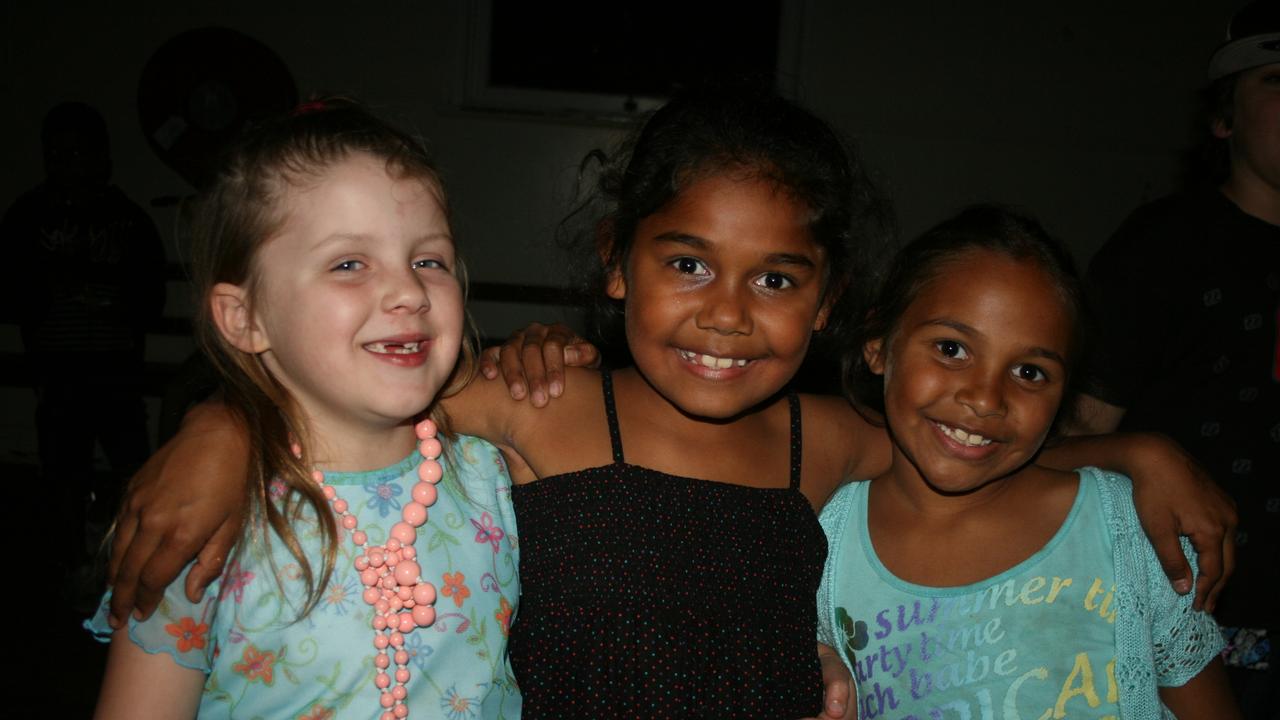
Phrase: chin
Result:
[717,409]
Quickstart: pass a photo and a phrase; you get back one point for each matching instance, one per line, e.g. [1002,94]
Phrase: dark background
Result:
[1077,112]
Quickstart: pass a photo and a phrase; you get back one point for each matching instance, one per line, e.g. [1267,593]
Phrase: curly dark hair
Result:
[992,228]
[752,133]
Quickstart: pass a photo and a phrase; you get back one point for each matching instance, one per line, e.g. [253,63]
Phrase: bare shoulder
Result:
[860,446]
[1050,491]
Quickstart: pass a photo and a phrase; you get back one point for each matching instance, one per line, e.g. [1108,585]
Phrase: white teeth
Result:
[964,438]
[711,361]
[407,348]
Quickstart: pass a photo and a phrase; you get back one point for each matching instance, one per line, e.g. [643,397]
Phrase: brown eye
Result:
[690,266]
[1030,373]
[775,281]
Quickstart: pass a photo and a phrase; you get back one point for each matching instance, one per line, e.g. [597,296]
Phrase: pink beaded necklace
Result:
[393,582]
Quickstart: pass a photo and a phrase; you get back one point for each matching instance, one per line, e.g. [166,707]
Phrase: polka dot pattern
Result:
[651,595]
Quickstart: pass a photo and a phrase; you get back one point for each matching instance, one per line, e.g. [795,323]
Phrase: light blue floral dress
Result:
[261,663]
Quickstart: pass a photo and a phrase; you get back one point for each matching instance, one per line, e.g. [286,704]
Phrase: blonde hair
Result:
[243,208]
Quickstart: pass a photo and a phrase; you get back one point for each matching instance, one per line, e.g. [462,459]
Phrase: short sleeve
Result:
[1159,635]
[178,627]
[834,520]
[1184,640]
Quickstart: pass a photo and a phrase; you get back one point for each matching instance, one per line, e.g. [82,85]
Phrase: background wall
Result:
[1076,112]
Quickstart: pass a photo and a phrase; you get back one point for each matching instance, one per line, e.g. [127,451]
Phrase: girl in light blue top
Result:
[331,303]
[967,581]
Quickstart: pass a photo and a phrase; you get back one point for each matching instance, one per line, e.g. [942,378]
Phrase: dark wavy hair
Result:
[752,133]
[991,228]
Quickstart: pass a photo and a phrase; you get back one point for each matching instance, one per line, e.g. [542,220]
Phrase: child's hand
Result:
[532,361]
[185,500]
[1175,496]
[836,683]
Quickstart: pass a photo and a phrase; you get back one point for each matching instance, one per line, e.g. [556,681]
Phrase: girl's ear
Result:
[824,313]
[873,354]
[230,304]
[1220,128]
[615,285]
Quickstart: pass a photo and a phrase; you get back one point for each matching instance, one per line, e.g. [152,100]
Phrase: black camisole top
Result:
[650,595]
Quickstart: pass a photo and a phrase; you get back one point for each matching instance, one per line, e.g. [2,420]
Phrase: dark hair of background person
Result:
[1208,161]
[75,145]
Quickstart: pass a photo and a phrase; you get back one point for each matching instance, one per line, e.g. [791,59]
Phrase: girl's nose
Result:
[406,292]
[724,311]
[983,394]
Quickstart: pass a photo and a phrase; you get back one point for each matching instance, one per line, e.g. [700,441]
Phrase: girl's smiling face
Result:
[723,289]
[359,313]
[975,371]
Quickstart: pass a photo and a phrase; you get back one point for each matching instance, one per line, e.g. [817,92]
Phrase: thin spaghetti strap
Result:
[615,436]
[794,401]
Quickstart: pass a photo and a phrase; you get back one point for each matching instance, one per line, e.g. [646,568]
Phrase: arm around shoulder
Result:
[186,502]
[843,444]
[1174,496]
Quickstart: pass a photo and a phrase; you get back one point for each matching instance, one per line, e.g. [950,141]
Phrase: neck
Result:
[1252,195]
[904,481]
[359,447]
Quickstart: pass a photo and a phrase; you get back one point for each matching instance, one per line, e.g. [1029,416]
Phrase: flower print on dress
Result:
[416,645]
[189,633]
[234,581]
[339,596]
[276,489]
[455,588]
[385,496]
[487,532]
[257,665]
[503,616]
[317,712]
[457,707]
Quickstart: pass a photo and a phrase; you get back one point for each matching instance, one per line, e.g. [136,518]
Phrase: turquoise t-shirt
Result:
[1036,641]
[262,664]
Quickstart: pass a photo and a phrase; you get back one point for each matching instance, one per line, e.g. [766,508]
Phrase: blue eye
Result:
[348,266]
[1030,373]
[952,349]
[429,264]
[690,266]
[776,281]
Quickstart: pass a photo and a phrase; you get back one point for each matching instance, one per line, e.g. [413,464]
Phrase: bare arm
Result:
[138,685]
[186,502]
[1174,496]
[1207,695]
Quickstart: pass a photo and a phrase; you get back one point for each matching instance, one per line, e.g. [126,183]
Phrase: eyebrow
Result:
[964,329]
[365,237]
[697,243]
